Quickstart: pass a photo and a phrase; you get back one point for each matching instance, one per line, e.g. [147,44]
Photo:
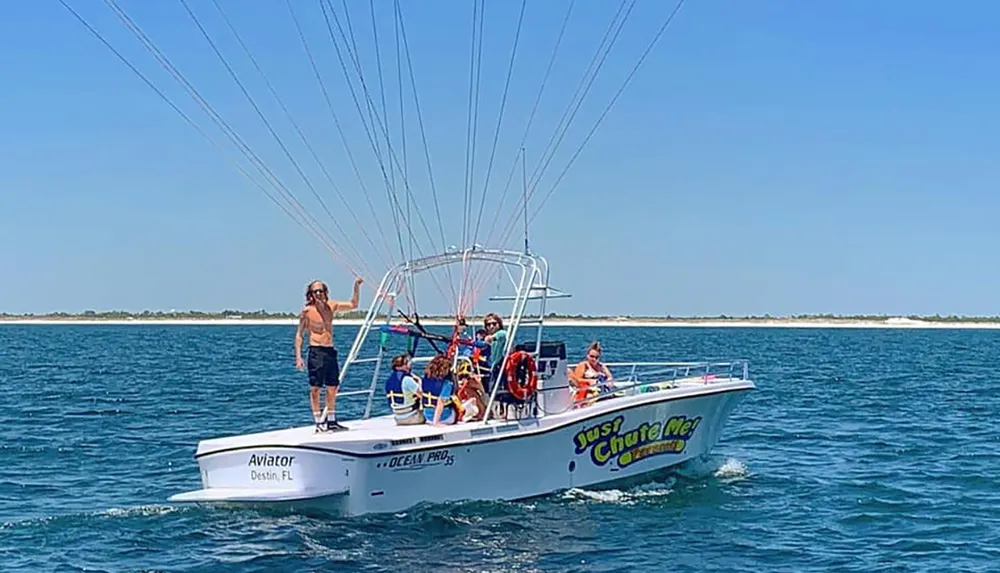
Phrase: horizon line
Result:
[360,314]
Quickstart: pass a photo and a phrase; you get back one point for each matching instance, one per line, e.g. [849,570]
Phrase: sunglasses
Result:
[317,291]
[593,356]
[492,323]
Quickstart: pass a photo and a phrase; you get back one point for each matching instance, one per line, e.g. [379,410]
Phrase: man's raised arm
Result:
[355,297]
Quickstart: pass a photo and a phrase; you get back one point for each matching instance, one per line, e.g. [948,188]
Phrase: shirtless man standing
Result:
[317,319]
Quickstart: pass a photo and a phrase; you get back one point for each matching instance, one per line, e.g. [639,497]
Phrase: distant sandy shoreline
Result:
[662,323]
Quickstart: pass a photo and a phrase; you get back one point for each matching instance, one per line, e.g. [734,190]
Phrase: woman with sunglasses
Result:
[316,318]
[590,375]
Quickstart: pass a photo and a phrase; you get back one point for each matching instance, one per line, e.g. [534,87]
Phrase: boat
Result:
[538,433]
[530,443]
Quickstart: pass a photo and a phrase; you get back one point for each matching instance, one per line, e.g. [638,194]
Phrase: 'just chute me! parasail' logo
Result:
[607,441]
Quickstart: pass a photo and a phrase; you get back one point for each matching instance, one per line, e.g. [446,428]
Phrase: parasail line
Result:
[423,137]
[340,130]
[596,64]
[607,109]
[301,134]
[496,132]
[368,132]
[303,223]
[220,122]
[531,118]
[270,129]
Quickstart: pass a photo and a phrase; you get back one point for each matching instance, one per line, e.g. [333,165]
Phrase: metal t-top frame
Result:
[528,274]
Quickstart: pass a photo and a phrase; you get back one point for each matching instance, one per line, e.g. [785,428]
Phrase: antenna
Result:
[524,185]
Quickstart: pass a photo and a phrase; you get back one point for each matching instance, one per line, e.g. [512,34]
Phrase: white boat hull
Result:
[376,466]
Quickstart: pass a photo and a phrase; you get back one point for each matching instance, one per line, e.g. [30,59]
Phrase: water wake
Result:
[713,468]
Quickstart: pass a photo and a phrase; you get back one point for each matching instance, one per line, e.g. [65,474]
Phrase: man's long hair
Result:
[310,299]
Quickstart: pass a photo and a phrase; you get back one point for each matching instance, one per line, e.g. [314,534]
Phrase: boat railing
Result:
[530,284]
[676,370]
[637,377]
[529,278]
[644,377]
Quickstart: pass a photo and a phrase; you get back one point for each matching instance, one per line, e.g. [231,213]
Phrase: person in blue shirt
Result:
[439,402]
[482,362]
[496,336]
[404,392]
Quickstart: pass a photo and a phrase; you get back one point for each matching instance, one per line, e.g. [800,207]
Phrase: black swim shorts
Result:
[323,367]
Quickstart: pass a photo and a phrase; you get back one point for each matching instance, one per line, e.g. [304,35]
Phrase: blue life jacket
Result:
[394,395]
[432,389]
[484,358]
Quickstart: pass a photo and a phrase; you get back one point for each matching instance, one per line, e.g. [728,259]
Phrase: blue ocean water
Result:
[862,450]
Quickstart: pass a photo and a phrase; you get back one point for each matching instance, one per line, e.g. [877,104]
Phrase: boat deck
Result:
[376,428]
[383,429]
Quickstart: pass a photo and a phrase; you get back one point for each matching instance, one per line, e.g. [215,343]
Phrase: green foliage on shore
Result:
[172,315]
[236,315]
[824,317]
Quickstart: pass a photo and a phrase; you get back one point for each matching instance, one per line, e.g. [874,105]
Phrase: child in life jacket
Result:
[472,395]
[441,405]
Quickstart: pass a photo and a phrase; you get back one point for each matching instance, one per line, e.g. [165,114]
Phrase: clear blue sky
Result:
[770,157]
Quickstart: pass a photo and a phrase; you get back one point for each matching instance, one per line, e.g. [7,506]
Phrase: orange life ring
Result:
[515,361]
